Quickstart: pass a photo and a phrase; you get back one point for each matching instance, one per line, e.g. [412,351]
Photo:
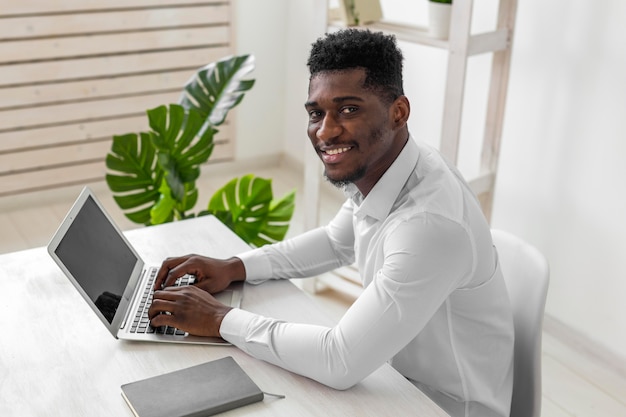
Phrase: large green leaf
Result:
[218,87]
[246,206]
[242,205]
[276,223]
[180,152]
[134,175]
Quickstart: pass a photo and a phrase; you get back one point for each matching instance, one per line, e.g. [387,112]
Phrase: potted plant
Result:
[439,12]
[153,174]
[355,12]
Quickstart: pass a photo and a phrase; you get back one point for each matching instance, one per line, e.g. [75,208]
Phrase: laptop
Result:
[109,274]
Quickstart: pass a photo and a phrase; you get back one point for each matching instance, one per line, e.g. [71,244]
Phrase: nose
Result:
[329,128]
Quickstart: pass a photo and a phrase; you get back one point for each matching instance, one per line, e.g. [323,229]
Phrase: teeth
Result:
[336,151]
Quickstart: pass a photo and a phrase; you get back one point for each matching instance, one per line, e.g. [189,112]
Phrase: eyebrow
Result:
[335,100]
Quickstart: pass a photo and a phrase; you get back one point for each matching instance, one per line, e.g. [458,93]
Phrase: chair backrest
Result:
[526,273]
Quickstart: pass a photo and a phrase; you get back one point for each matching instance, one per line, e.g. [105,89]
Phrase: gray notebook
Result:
[201,390]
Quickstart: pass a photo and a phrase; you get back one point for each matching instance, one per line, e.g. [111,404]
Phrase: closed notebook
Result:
[201,390]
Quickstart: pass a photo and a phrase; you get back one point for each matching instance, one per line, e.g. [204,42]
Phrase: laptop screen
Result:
[97,257]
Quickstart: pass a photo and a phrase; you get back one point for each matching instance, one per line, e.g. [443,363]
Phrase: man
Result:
[434,304]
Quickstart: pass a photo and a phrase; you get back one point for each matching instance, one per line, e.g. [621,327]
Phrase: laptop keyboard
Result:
[141,322]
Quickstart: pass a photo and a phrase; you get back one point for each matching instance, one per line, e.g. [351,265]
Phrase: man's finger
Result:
[161,306]
[169,293]
[162,277]
[163,320]
[173,274]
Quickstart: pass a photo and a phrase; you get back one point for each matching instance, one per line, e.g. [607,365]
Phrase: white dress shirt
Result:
[434,303]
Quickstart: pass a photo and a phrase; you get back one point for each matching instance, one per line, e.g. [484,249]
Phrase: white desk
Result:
[57,359]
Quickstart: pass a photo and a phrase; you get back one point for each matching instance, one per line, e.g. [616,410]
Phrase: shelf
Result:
[339,283]
[408,33]
[483,183]
[497,40]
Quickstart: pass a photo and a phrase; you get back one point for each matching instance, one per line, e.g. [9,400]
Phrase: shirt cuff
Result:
[257,264]
[234,326]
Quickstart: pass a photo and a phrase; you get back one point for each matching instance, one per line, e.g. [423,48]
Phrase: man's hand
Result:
[212,275]
[188,308]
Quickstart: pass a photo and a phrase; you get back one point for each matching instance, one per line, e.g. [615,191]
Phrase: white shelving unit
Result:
[460,46]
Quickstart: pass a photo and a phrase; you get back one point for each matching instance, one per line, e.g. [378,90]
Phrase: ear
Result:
[400,111]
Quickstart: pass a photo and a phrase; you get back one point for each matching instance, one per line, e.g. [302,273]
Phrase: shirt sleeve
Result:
[416,278]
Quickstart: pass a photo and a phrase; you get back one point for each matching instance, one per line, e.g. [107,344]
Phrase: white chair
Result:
[526,274]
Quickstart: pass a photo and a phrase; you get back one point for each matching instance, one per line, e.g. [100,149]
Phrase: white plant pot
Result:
[439,19]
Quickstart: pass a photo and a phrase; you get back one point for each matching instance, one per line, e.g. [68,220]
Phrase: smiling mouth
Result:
[337,151]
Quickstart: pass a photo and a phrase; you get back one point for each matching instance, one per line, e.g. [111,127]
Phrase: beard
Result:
[375,135]
[347,179]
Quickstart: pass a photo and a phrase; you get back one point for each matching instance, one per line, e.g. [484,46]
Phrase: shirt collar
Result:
[381,198]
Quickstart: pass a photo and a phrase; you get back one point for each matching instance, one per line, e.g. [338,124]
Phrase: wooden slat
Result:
[497,40]
[93,171]
[49,136]
[350,273]
[500,68]
[77,112]
[478,44]
[11,8]
[337,283]
[108,66]
[35,26]
[46,137]
[483,183]
[409,33]
[42,158]
[460,26]
[40,180]
[93,89]
[111,44]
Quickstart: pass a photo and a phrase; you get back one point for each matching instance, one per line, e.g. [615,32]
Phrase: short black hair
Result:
[375,52]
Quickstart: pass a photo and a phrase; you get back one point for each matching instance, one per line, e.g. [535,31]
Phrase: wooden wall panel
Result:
[40,158]
[80,6]
[75,73]
[113,20]
[51,136]
[21,118]
[37,50]
[92,89]
[38,73]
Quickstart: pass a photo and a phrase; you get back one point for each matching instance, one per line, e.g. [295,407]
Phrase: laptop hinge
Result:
[131,310]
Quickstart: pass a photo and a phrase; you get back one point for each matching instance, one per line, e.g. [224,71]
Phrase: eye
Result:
[348,109]
[314,114]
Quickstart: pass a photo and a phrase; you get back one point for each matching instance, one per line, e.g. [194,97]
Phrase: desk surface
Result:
[56,358]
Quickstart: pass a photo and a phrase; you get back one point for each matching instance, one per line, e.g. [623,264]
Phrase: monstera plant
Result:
[153,174]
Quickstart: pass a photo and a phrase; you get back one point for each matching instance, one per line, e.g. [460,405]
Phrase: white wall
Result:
[279,33]
[261,31]
[562,161]
[561,179]
[307,21]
